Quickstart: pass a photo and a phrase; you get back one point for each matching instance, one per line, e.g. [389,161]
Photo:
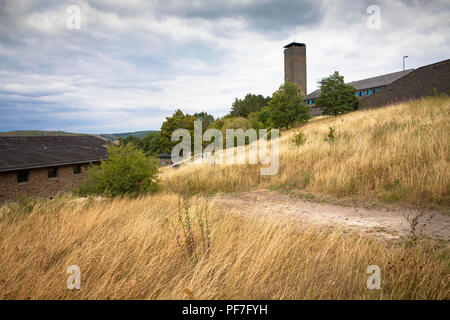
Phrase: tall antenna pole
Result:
[404,57]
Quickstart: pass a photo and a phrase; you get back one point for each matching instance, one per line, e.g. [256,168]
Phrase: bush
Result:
[299,139]
[330,137]
[126,172]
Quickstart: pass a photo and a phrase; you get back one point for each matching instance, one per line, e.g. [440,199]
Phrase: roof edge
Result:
[51,165]
[294,44]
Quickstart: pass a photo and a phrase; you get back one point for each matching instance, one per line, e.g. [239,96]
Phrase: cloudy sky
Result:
[132,63]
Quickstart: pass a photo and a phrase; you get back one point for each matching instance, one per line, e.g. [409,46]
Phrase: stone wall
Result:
[422,82]
[39,184]
[316,111]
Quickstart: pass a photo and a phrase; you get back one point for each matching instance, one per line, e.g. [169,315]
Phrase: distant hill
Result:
[137,134]
[39,133]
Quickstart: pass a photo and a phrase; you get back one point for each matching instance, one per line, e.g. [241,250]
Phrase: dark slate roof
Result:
[294,44]
[369,83]
[18,153]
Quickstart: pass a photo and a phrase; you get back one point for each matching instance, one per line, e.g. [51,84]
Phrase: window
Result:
[370,91]
[77,169]
[52,173]
[22,176]
[376,90]
[357,93]
[363,93]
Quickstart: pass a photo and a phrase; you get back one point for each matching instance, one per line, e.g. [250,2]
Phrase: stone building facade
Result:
[38,182]
[46,166]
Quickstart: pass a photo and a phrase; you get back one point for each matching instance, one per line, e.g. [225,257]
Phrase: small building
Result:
[47,165]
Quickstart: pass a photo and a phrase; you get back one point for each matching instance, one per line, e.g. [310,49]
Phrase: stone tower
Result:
[295,64]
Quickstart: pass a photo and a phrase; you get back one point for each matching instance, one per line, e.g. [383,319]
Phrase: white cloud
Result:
[131,65]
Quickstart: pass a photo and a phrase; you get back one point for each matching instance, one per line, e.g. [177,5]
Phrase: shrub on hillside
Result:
[299,139]
[126,172]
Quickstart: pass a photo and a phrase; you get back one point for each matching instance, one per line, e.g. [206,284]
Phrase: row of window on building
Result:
[367,92]
[23,175]
[360,93]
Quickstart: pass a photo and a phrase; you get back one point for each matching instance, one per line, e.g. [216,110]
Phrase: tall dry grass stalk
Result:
[390,154]
[126,251]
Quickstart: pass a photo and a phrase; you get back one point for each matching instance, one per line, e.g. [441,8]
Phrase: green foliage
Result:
[218,124]
[299,139]
[287,108]
[336,96]
[251,103]
[236,123]
[178,120]
[255,122]
[150,143]
[130,139]
[330,136]
[126,172]
[206,119]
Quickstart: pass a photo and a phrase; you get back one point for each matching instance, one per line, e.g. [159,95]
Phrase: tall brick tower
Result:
[295,64]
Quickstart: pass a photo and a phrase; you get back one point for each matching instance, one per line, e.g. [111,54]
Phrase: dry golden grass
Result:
[393,154]
[125,250]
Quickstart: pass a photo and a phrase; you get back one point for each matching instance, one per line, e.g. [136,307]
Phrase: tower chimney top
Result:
[294,44]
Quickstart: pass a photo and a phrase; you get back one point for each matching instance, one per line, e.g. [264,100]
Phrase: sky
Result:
[127,65]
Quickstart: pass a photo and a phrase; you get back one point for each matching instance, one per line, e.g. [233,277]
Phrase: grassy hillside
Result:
[394,154]
[139,249]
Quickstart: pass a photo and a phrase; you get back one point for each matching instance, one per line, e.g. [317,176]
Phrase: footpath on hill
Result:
[383,222]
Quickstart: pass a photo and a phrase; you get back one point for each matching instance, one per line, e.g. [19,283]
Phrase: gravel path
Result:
[383,222]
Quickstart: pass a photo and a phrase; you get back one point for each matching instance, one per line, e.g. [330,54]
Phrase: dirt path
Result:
[383,222]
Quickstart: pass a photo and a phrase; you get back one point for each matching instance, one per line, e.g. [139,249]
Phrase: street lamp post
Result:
[404,57]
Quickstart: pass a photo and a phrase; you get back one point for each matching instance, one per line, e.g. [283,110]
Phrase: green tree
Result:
[235,123]
[287,108]
[151,144]
[206,119]
[251,103]
[336,96]
[178,120]
[130,139]
[127,171]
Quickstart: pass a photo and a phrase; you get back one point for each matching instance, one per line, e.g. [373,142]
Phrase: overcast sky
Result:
[132,63]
